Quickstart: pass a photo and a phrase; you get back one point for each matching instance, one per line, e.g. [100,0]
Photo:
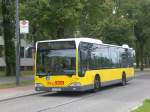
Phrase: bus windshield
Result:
[56,58]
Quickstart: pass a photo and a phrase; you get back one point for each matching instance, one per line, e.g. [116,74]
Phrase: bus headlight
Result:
[75,84]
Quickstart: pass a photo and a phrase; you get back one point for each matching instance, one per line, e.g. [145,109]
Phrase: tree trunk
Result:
[8,13]
[137,59]
[137,56]
[146,61]
[141,56]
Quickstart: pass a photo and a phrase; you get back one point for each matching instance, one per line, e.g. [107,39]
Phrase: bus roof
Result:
[82,39]
[86,39]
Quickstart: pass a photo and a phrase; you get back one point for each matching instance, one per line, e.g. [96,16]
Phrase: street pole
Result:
[17,45]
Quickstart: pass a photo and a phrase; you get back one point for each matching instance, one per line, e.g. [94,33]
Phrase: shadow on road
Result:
[79,94]
[65,94]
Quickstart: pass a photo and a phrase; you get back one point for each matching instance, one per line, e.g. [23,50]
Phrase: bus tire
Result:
[97,83]
[124,81]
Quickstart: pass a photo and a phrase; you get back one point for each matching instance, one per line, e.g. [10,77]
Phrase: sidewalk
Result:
[15,92]
[11,93]
[145,70]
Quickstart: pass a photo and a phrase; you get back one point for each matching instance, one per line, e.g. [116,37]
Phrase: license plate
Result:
[56,89]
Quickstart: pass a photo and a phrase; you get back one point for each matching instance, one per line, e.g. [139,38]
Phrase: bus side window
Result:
[105,59]
[113,51]
[124,58]
[131,58]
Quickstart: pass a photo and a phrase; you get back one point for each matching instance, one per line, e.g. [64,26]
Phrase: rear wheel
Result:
[96,83]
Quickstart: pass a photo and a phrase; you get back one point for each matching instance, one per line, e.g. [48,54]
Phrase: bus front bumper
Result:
[70,88]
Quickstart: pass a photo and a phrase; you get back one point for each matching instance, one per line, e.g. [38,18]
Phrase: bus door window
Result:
[83,57]
[94,54]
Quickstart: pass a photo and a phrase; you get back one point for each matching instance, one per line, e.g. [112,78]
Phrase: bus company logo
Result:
[51,83]
[56,83]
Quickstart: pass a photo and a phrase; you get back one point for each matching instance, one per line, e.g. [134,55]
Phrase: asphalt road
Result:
[109,99]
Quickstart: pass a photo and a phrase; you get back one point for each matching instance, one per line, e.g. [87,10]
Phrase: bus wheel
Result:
[96,83]
[124,81]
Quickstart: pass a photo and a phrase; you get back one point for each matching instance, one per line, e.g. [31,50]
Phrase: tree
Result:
[98,21]
[117,30]
[142,29]
[0,19]
[138,13]
[8,13]
[91,17]
[51,19]
[147,53]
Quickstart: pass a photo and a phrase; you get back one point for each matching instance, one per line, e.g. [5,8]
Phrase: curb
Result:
[21,96]
[136,107]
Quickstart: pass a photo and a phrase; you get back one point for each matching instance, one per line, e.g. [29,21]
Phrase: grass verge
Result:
[11,85]
[144,108]
[23,73]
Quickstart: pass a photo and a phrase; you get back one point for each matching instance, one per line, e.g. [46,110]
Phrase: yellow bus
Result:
[80,64]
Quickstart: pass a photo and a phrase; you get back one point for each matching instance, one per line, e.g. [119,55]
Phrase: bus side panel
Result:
[129,72]
[88,78]
[106,75]
[110,74]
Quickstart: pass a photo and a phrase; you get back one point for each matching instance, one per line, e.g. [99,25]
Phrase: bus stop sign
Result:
[24,26]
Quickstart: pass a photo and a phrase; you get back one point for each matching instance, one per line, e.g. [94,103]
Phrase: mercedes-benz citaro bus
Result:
[80,64]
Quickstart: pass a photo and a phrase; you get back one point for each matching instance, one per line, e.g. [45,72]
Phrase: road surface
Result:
[109,99]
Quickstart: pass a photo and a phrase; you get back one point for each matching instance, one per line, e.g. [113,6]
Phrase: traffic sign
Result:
[24,26]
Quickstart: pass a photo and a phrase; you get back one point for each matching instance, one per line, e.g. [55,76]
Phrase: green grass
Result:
[2,74]
[23,73]
[27,73]
[145,107]
[11,85]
